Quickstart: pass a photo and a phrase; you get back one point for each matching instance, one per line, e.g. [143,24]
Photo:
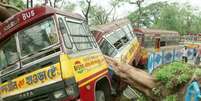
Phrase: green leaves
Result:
[150,14]
[174,74]
[169,16]
[198,72]
[171,98]
[18,3]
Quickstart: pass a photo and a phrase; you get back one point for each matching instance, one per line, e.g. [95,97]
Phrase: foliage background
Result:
[159,15]
[169,16]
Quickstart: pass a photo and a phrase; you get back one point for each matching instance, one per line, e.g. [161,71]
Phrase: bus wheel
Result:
[100,95]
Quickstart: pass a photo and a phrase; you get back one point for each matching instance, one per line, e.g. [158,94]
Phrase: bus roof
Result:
[27,17]
[109,27]
[100,30]
[147,31]
[197,34]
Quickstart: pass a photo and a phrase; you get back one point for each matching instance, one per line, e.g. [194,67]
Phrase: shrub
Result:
[174,74]
[198,72]
[170,98]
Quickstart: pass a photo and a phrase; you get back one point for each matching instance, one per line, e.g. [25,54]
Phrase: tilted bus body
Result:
[117,40]
[192,40]
[49,55]
[153,40]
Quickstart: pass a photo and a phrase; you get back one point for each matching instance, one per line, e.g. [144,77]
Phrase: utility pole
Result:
[139,5]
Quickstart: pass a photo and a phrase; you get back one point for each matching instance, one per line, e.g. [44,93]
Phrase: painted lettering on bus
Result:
[28,15]
[12,85]
[35,78]
[41,76]
[12,23]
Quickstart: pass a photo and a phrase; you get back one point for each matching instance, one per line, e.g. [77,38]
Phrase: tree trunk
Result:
[6,11]
[145,83]
[87,11]
[135,77]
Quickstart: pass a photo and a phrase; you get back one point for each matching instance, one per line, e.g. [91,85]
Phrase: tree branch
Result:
[9,6]
[6,11]
[138,3]
[113,18]
[62,4]
[83,13]
[55,1]
[88,8]
[50,3]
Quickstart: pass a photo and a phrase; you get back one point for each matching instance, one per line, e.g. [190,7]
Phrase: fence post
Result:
[174,54]
[162,56]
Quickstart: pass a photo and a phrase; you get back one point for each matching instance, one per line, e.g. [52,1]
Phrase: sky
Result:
[127,8]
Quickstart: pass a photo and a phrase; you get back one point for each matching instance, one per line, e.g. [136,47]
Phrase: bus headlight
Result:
[72,90]
[59,94]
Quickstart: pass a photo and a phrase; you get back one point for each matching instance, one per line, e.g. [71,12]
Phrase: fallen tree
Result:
[152,86]
[135,77]
[6,11]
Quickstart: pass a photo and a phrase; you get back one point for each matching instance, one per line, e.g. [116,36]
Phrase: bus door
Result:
[140,37]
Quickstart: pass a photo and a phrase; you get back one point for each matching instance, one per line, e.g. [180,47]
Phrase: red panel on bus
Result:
[20,20]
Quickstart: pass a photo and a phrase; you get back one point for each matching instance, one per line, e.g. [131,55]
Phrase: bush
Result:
[174,74]
[170,98]
[198,72]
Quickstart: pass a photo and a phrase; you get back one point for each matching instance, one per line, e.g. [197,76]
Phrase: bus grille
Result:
[40,98]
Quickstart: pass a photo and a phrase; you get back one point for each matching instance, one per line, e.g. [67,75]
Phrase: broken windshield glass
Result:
[38,37]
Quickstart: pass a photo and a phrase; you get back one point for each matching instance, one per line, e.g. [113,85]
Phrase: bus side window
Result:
[92,37]
[64,31]
[81,39]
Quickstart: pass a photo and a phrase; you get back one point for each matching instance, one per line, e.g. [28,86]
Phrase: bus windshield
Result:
[8,53]
[37,37]
[107,48]
[120,37]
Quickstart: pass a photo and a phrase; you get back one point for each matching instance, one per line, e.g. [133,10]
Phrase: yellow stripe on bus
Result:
[83,84]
